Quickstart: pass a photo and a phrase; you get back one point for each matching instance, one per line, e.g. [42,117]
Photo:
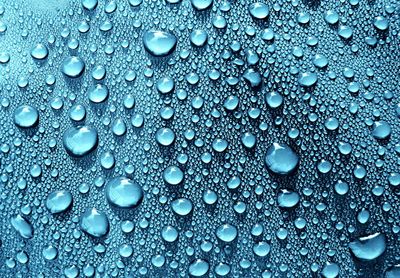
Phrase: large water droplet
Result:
[281,159]
[122,192]
[22,226]
[368,248]
[159,43]
[94,222]
[227,232]
[80,141]
[73,66]
[59,201]
[26,116]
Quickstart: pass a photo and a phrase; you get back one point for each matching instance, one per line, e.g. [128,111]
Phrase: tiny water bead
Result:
[159,43]
[26,116]
[80,141]
[122,192]
[281,159]
[73,67]
[94,222]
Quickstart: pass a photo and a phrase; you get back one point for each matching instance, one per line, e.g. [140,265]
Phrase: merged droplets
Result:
[94,222]
[369,247]
[159,43]
[123,192]
[281,159]
[80,141]
[22,226]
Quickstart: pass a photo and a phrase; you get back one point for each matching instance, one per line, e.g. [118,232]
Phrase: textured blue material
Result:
[200,138]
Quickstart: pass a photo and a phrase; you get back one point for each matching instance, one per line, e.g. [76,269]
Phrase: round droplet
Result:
[26,116]
[198,268]
[201,5]
[259,10]
[381,130]
[219,145]
[165,136]
[39,52]
[182,206]
[227,232]
[122,192]
[281,159]
[59,201]
[98,93]
[169,234]
[288,198]
[80,141]
[198,37]
[307,79]
[159,43]
[73,66]
[94,222]
[173,175]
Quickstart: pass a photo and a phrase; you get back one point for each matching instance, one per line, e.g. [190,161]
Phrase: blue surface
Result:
[199,138]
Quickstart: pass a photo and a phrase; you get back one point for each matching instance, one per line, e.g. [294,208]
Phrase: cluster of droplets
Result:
[200,138]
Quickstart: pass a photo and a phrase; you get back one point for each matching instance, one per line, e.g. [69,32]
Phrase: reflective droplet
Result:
[259,10]
[22,226]
[73,66]
[39,52]
[368,248]
[80,141]
[159,43]
[198,268]
[182,206]
[122,192]
[288,198]
[281,159]
[165,136]
[26,116]
[201,5]
[98,93]
[94,222]
[173,175]
[226,232]
[59,201]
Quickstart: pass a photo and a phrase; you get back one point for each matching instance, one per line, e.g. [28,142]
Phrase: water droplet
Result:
[159,43]
[80,141]
[122,192]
